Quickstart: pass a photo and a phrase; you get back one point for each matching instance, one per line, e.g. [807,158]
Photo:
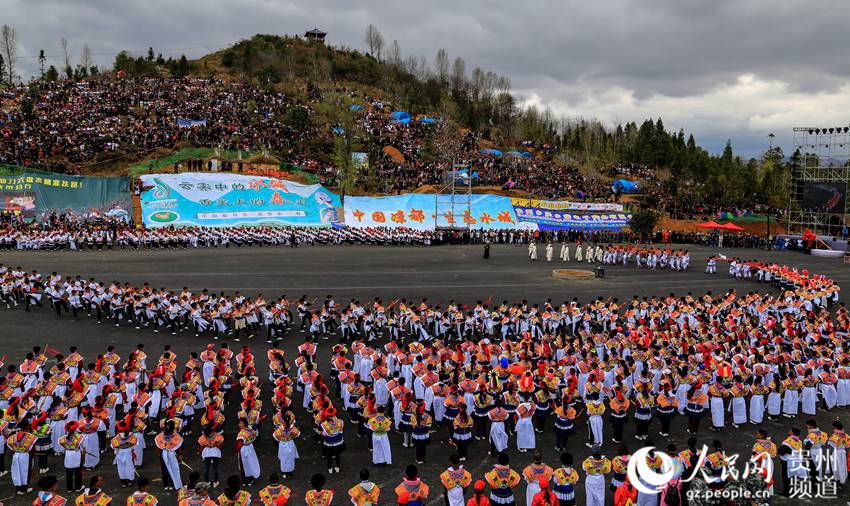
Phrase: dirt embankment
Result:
[691,226]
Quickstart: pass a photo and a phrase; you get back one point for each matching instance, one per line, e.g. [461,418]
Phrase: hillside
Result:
[314,106]
[481,101]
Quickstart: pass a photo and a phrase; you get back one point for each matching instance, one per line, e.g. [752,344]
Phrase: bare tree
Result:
[9,46]
[459,74]
[63,42]
[489,85]
[422,72]
[374,40]
[411,64]
[441,66]
[394,54]
[85,57]
[503,84]
[477,81]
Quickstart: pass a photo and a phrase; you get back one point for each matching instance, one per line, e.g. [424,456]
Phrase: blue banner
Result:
[227,200]
[189,123]
[551,219]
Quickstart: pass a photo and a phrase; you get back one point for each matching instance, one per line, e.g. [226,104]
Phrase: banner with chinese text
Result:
[567,205]
[227,200]
[418,211]
[547,218]
[34,194]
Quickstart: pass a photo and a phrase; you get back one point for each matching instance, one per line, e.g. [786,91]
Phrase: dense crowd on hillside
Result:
[63,126]
[77,121]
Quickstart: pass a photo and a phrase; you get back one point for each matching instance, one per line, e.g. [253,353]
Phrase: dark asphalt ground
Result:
[438,273]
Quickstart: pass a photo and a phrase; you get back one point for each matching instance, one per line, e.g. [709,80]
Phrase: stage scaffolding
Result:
[824,159]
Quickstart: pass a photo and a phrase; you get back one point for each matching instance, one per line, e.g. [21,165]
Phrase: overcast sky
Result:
[721,69]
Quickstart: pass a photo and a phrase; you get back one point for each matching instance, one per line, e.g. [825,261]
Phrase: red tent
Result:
[731,227]
[710,224]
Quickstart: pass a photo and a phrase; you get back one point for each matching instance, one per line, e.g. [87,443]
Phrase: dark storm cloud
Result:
[721,68]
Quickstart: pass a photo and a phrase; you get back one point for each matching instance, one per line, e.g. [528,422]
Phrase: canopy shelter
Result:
[711,224]
[394,154]
[731,227]
[625,186]
[492,152]
[401,117]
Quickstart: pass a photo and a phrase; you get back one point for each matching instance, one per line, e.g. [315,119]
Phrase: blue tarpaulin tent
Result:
[516,154]
[463,175]
[401,117]
[625,186]
[355,107]
[527,154]
[493,152]
[426,119]
[338,130]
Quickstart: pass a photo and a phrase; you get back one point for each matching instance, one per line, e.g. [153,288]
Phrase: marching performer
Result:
[285,434]
[596,466]
[169,443]
[535,473]
[455,479]
[124,444]
[412,491]
[365,493]
[502,480]
[21,443]
[73,447]
[210,443]
[274,494]
[381,450]
[248,462]
[47,494]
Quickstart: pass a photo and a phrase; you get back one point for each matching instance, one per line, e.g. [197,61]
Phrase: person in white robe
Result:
[123,444]
[550,251]
[837,443]
[757,402]
[829,393]
[287,452]
[381,450]
[595,408]
[92,442]
[774,401]
[809,400]
[21,444]
[565,252]
[454,495]
[498,435]
[169,445]
[738,406]
[247,454]
[525,437]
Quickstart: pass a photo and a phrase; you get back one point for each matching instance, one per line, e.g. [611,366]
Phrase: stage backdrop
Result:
[226,200]
[36,193]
